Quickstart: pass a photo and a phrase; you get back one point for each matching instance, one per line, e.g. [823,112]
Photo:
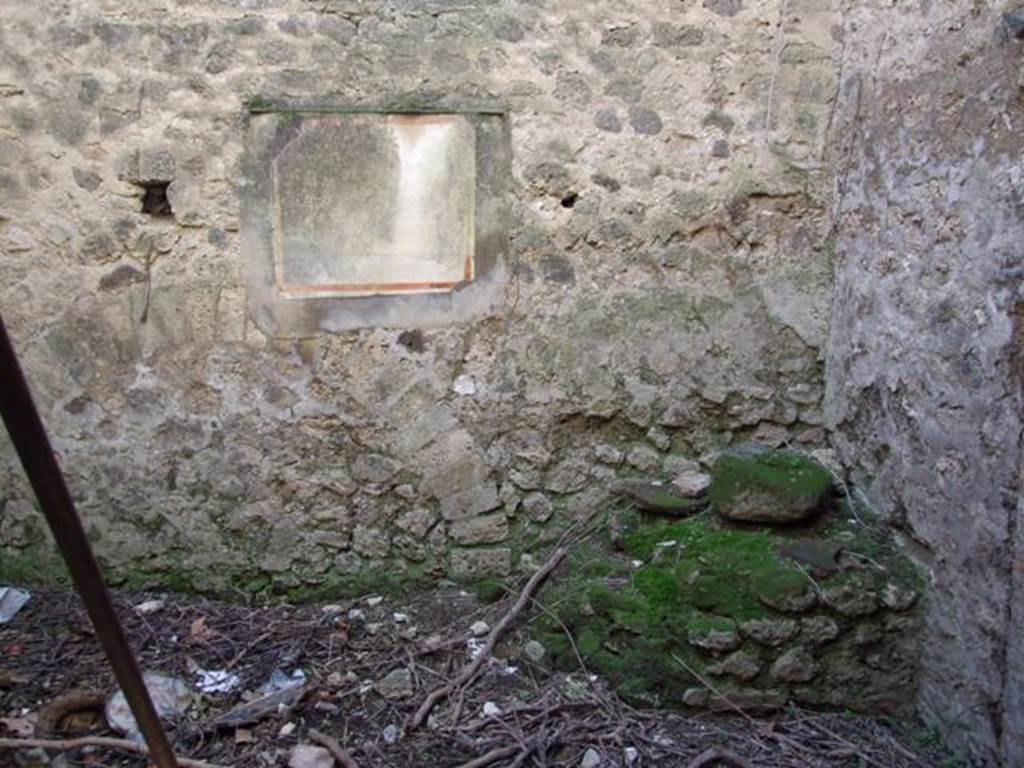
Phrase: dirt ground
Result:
[534,716]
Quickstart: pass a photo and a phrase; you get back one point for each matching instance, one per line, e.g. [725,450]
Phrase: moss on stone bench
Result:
[700,598]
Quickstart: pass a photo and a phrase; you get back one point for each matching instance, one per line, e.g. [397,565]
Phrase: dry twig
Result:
[491,757]
[122,745]
[469,671]
[333,746]
[714,755]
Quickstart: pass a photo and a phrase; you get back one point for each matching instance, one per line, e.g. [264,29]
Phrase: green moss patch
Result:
[652,607]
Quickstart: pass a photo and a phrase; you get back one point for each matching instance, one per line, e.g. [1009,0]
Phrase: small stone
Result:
[397,684]
[790,602]
[149,607]
[528,563]
[538,506]
[534,651]
[373,627]
[818,630]
[373,468]
[575,688]
[821,556]
[851,600]
[902,624]
[607,120]
[796,665]
[416,522]
[657,436]
[309,756]
[696,697]
[356,616]
[487,529]
[770,632]
[390,734]
[661,499]
[630,755]
[331,610]
[644,458]
[691,484]
[286,730]
[400,618]
[608,454]
[645,121]
[897,598]
[720,636]
[591,758]
[475,563]
[374,601]
[866,634]
[678,465]
[480,628]
[742,665]
[491,709]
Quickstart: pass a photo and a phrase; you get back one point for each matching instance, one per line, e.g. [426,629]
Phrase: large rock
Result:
[752,483]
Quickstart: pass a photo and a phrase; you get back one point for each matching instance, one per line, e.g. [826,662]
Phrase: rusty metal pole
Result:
[30,441]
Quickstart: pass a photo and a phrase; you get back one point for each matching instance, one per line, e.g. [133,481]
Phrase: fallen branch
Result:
[332,745]
[122,745]
[715,755]
[469,671]
[487,758]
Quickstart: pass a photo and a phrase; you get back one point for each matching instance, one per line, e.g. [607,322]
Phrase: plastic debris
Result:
[217,681]
[171,698]
[279,681]
[12,600]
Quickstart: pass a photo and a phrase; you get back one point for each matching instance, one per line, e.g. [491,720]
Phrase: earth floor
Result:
[515,712]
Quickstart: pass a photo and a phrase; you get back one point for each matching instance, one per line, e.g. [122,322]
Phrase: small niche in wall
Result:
[354,218]
[154,199]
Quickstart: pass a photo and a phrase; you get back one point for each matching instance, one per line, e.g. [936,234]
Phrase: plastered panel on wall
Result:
[354,219]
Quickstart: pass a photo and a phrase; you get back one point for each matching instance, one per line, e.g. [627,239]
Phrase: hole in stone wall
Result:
[570,200]
[154,199]
[412,340]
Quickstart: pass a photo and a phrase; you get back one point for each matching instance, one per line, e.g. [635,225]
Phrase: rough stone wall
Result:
[671,285]
[924,366]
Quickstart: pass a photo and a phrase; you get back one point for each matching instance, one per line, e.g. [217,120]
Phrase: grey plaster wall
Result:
[924,362]
[669,290]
